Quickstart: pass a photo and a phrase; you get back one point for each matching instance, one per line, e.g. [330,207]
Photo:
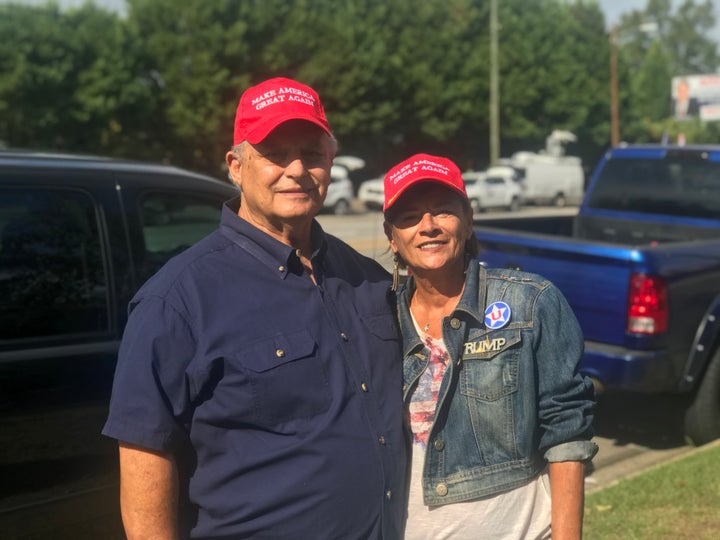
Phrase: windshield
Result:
[671,186]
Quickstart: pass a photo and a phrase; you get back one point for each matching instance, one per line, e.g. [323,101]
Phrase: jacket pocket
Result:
[490,365]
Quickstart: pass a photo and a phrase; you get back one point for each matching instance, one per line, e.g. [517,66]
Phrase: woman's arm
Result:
[148,494]
[567,490]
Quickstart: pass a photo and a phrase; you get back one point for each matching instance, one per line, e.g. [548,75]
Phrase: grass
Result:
[679,500]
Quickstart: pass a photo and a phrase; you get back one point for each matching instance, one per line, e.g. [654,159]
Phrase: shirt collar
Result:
[278,257]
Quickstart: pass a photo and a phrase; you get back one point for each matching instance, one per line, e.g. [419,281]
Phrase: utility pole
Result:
[494,87]
[614,106]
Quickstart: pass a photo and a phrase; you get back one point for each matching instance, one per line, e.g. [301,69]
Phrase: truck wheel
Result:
[702,419]
[559,200]
[475,205]
[514,205]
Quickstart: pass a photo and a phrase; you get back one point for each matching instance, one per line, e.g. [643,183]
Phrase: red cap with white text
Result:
[265,106]
[421,168]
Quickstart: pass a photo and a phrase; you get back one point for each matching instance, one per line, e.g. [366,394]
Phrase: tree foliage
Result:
[396,76]
[656,45]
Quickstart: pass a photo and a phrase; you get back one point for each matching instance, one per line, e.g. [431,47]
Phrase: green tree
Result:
[656,45]
[554,72]
[68,80]
[189,51]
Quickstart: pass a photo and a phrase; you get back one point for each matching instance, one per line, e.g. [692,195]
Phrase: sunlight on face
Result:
[429,226]
[284,179]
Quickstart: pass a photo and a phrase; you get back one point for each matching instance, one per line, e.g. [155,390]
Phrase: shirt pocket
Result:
[490,365]
[382,326]
[287,377]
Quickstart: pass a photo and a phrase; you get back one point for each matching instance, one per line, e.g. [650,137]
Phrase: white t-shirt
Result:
[520,514]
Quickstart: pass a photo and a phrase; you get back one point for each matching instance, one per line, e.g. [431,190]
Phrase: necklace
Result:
[434,314]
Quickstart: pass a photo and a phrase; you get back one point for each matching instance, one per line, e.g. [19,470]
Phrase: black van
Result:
[78,236]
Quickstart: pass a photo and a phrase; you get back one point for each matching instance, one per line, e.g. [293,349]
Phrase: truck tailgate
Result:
[594,277]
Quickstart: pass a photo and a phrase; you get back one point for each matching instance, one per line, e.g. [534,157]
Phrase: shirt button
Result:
[441,490]
[439,445]
[381,440]
[388,494]
[455,323]
[281,268]
[344,336]
[364,387]
[279,353]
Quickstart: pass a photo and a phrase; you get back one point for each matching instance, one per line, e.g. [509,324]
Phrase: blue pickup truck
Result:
[640,265]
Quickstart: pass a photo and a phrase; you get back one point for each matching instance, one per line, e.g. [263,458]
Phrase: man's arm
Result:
[148,494]
[567,490]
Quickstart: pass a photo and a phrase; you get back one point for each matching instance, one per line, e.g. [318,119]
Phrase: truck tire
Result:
[559,200]
[514,204]
[476,205]
[702,419]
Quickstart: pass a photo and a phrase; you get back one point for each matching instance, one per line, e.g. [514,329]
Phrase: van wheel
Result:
[514,205]
[702,419]
[341,208]
[559,200]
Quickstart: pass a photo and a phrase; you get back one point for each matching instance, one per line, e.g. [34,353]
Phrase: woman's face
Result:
[429,227]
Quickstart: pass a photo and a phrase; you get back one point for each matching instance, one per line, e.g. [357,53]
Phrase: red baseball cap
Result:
[265,106]
[421,168]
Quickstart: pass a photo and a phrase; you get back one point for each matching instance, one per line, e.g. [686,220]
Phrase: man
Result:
[258,389]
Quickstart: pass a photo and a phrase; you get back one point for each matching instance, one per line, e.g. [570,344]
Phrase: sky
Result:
[613,9]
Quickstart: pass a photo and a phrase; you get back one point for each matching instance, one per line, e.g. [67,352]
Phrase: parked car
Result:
[340,191]
[372,193]
[78,236]
[495,188]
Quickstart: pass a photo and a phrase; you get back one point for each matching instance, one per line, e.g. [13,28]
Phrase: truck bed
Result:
[594,272]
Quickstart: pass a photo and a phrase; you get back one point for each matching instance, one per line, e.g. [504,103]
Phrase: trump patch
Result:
[497,315]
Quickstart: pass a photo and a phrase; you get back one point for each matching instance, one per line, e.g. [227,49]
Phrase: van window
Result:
[172,222]
[52,278]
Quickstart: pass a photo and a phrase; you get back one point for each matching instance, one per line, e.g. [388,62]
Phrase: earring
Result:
[396,274]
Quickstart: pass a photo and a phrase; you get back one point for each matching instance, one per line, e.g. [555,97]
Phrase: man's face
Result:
[284,179]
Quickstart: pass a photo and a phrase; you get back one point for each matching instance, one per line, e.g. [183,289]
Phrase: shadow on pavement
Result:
[651,420]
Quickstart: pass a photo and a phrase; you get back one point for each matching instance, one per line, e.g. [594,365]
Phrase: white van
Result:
[546,179]
[550,177]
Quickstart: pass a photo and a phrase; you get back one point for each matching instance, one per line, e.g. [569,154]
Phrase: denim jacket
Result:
[511,398]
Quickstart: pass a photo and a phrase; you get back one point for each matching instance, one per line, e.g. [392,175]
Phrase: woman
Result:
[500,417]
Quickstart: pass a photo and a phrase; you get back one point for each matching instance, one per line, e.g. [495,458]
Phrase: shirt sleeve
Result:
[566,397]
[150,395]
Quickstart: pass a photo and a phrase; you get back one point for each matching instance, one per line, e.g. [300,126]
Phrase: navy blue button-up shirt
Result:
[280,398]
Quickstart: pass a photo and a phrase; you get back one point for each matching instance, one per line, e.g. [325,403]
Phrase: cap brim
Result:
[263,129]
[389,204]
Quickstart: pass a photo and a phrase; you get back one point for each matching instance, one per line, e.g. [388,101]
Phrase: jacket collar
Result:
[472,304]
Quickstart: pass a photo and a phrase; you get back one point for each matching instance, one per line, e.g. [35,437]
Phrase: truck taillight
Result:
[647,305]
